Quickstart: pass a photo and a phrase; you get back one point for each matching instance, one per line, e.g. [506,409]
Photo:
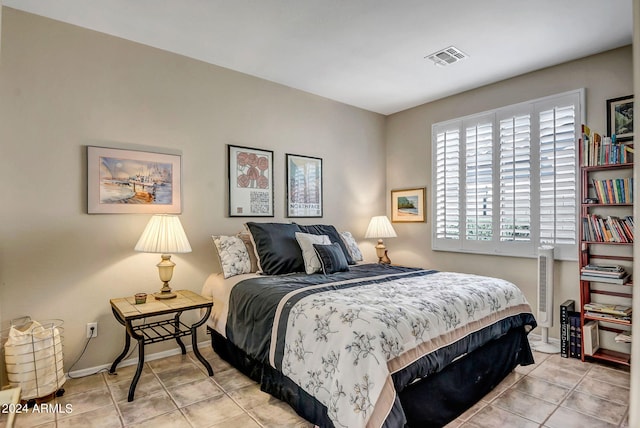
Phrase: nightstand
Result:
[125,310]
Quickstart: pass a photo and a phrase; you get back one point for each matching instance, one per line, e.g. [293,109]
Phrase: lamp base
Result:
[165,292]
[384,259]
[381,252]
[162,295]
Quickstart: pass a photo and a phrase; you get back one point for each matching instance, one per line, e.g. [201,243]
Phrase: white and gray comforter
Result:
[354,340]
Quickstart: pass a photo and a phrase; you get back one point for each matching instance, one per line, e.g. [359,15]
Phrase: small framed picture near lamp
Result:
[408,205]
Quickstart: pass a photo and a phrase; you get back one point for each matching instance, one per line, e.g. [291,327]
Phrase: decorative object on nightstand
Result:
[164,234]
[380,227]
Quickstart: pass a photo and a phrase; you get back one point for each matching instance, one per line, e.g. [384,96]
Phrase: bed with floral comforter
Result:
[345,346]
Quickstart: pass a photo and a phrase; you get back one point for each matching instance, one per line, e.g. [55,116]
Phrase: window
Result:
[506,180]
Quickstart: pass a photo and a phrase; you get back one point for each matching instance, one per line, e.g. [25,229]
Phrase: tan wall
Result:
[604,76]
[63,87]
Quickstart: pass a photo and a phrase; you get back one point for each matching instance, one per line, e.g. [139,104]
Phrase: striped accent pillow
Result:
[331,258]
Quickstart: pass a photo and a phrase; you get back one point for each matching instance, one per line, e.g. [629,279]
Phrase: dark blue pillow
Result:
[331,258]
[276,247]
[332,233]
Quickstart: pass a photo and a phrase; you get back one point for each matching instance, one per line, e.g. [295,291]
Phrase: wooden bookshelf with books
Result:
[606,247]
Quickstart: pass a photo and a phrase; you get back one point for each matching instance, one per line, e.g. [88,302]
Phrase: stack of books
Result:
[570,332]
[614,190]
[610,229]
[612,274]
[602,150]
[608,311]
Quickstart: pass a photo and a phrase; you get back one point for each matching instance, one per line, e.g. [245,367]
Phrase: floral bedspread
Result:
[342,346]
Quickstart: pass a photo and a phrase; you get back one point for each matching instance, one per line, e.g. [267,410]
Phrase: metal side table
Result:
[126,311]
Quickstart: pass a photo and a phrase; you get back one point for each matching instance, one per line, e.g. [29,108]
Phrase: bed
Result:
[371,345]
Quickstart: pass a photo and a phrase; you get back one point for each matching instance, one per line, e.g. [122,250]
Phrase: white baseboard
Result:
[132,361]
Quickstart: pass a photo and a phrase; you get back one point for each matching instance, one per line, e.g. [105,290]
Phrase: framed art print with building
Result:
[304,186]
[620,118]
[408,205]
[250,182]
[123,181]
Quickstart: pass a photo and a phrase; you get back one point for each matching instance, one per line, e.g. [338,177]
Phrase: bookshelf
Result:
[606,239]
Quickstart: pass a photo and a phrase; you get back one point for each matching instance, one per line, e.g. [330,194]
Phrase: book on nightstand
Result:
[565,336]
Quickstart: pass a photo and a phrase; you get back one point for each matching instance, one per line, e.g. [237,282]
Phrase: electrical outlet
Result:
[94,326]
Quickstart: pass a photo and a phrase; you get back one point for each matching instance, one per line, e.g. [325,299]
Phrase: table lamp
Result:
[164,234]
[380,227]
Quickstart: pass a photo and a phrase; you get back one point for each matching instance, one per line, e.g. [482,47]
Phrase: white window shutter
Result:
[515,178]
[558,176]
[447,191]
[506,181]
[479,181]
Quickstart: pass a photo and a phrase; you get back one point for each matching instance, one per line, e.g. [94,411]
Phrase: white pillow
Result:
[233,255]
[306,241]
[352,246]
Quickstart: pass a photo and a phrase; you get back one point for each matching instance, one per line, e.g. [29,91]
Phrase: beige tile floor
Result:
[175,392]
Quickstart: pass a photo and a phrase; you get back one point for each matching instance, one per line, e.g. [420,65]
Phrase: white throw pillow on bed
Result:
[352,246]
[306,241]
[233,255]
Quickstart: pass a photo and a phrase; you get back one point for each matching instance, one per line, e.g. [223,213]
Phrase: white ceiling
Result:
[366,53]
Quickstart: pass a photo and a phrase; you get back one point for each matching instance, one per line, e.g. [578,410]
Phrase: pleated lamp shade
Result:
[380,227]
[163,234]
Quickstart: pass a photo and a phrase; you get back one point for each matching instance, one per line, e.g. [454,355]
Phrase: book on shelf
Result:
[623,337]
[614,190]
[607,308]
[609,280]
[575,335]
[610,229]
[607,271]
[591,337]
[608,317]
[604,268]
[565,336]
[602,150]
[603,274]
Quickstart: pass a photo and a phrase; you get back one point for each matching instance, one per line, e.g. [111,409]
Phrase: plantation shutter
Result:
[515,178]
[479,181]
[447,192]
[558,173]
[505,181]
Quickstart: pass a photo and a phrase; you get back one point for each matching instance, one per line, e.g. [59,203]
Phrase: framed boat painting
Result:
[250,182]
[122,181]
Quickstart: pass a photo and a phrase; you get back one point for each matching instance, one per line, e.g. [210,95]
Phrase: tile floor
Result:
[175,392]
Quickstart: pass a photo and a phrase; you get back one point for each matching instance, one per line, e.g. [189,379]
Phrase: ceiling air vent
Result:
[447,56]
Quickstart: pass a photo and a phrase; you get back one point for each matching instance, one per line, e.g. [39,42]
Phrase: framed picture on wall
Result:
[620,118]
[121,181]
[408,205]
[250,182]
[304,186]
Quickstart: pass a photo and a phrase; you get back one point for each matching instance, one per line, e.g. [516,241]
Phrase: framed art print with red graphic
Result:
[250,182]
